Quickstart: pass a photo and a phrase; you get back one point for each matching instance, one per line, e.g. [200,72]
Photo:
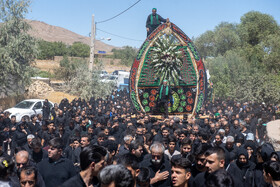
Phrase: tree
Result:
[80,81]
[245,58]
[47,50]
[271,48]
[255,27]
[205,44]
[79,49]
[225,38]
[218,42]
[17,48]
[127,55]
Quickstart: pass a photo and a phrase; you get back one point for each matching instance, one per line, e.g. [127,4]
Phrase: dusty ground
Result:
[273,132]
[109,64]
[56,97]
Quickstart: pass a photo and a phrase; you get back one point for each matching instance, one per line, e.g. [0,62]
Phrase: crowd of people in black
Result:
[104,142]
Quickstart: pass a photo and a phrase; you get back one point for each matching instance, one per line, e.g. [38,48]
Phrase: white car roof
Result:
[34,100]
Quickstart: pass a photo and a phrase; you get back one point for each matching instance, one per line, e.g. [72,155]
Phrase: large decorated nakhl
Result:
[168,53]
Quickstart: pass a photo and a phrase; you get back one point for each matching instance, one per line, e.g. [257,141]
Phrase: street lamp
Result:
[108,39]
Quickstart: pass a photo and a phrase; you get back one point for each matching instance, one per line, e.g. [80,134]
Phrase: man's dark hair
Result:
[118,174]
[200,149]
[128,160]
[56,143]
[219,151]
[166,128]
[90,127]
[134,145]
[36,142]
[86,136]
[273,168]
[219,178]
[33,116]
[184,132]
[91,153]
[182,163]
[110,145]
[186,141]
[101,135]
[204,135]
[76,139]
[156,127]
[143,176]
[172,138]
[48,122]
[28,170]
[149,137]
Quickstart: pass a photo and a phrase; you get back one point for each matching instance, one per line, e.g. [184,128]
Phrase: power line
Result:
[119,36]
[119,13]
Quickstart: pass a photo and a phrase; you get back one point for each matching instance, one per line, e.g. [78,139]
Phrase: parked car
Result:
[104,74]
[28,107]
[116,72]
[111,79]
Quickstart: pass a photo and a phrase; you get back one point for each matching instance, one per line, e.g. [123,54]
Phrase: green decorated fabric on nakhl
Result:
[180,91]
[183,97]
[166,91]
[145,102]
[147,109]
[146,95]
[183,103]
[180,109]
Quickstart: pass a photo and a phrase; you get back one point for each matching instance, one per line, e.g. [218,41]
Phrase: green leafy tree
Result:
[80,81]
[87,84]
[68,68]
[17,47]
[47,50]
[271,48]
[245,58]
[127,55]
[225,38]
[79,49]
[255,27]
[218,42]
[205,44]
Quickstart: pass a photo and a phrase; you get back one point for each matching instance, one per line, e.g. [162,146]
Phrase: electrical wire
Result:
[119,36]
[119,13]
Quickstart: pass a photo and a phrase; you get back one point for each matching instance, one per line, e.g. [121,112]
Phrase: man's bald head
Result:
[22,158]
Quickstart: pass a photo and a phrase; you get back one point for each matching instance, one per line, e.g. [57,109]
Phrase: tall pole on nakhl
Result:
[92,40]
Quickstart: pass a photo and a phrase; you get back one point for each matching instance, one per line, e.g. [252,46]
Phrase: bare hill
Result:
[56,34]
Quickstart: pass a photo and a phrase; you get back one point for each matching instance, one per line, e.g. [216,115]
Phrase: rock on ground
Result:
[39,88]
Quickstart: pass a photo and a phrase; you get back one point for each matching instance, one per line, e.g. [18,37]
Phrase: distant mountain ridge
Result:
[52,33]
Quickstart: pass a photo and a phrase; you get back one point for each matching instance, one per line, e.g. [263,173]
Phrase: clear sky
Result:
[193,17]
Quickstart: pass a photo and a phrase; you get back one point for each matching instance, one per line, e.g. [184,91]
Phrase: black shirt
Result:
[56,173]
[76,181]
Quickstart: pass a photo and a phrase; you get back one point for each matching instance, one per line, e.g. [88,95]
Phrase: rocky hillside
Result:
[55,34]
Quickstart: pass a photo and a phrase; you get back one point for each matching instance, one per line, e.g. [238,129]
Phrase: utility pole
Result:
[92,41]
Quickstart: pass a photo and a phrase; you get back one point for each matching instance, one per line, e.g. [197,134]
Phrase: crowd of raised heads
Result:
[105,142]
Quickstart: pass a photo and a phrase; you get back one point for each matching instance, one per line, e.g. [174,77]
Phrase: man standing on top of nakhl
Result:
[153,21]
